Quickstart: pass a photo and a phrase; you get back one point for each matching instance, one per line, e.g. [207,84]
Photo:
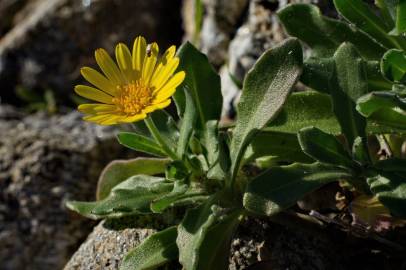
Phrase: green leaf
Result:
[319,72]
[325,35]
[349,84]
[385,108]
[387,9]
[362,16]
[188,123]
[391,165]
[281,187]
[182,194]
[216,151]
[119,170]
[176,170]
[360,152]
[202,82]
[390,188]
[156,250]
[166,125]
[323,147]
[265,90]
[376,81]
[393,65]
[311,108]
[140,143]
[204,236]
[305,109]
[130,197]
[283,145]
[218,154]
[400,25]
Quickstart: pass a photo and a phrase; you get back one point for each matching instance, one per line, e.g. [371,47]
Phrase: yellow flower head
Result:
[140,84]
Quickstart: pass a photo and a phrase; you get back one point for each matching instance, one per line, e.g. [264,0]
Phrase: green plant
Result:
[358,64]
[200,164]
[203,168]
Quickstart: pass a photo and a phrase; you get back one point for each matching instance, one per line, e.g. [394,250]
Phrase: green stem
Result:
[158,138]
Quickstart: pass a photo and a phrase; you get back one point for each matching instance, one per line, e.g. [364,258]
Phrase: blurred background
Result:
[47,153]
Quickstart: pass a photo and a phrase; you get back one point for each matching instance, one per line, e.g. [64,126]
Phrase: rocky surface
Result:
[52,39]
[258,244]
[110,241]
[44,161]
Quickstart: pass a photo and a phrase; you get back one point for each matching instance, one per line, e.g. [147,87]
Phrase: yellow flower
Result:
[141,83]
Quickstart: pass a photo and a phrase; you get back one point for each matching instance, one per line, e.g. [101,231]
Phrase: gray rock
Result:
[285,242]
[219,24]
[52,39]
[259,31]
[45,161]
[111,240]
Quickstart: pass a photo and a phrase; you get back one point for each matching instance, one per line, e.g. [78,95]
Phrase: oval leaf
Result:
[265,90]
[119,170]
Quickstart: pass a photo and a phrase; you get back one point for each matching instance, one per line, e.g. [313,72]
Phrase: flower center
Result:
[132,98]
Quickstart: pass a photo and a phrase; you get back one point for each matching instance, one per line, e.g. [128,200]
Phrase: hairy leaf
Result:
[130,197]
[202,82]
[323,147]
[188,123]
[350,83]
[280,187]
[119,170]
[325,35]
[204,235]
[181,194]
[156,250]
[393,65]
[265,90]
[385,108]
[283,145]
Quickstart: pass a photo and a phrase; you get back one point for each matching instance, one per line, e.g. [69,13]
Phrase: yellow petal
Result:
[108,67]
[93,94]
[112,120]
[98,80]
[134,118]
[139,51]
[157,106]
[97,118]
[169,88]
[86,108]
[149,62]
[164,72]
[96,108]
[124,61]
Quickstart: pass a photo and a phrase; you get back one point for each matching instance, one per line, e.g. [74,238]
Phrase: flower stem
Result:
[158,138]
